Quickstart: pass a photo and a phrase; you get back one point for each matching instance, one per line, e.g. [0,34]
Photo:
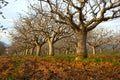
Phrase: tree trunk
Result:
[66,51]
[31,51]
[26,51]
[38,50]
[101,50]
[93,50]
[59,51]
[51,48]
[81,44]
[113,48]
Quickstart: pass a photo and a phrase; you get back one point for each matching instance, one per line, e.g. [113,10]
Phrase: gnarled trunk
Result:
[51,48]
[81,44]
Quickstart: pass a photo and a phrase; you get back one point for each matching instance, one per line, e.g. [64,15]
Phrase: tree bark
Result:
[93,50]
[66,51]
[51,48]
[81,44]
[26,51]
[38,48]
[31,51]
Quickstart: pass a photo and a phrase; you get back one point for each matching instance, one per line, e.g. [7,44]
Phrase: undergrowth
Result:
[60,67]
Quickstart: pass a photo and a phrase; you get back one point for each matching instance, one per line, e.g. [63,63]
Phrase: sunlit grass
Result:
[113,58]
[98,58]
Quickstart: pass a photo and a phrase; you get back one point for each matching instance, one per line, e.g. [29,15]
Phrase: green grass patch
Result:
[65,57]
[113,58]
[9,77]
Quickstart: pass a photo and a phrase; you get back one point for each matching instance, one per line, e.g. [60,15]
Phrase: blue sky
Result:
[15,7]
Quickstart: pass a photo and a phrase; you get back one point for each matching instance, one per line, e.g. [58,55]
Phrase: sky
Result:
[12,10]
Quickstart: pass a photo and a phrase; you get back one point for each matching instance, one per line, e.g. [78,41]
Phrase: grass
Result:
[69,58]
[100,55]
[97,66]
[113,58]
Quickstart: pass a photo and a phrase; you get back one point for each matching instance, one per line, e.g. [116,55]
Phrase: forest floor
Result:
[62,67]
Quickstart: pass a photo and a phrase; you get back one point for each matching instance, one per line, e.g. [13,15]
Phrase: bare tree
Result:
[66,45]
[54,32]
[98,38]
[38,39]
[17,47]
[20,42]
[115,42]
[81,15]
[28,28]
